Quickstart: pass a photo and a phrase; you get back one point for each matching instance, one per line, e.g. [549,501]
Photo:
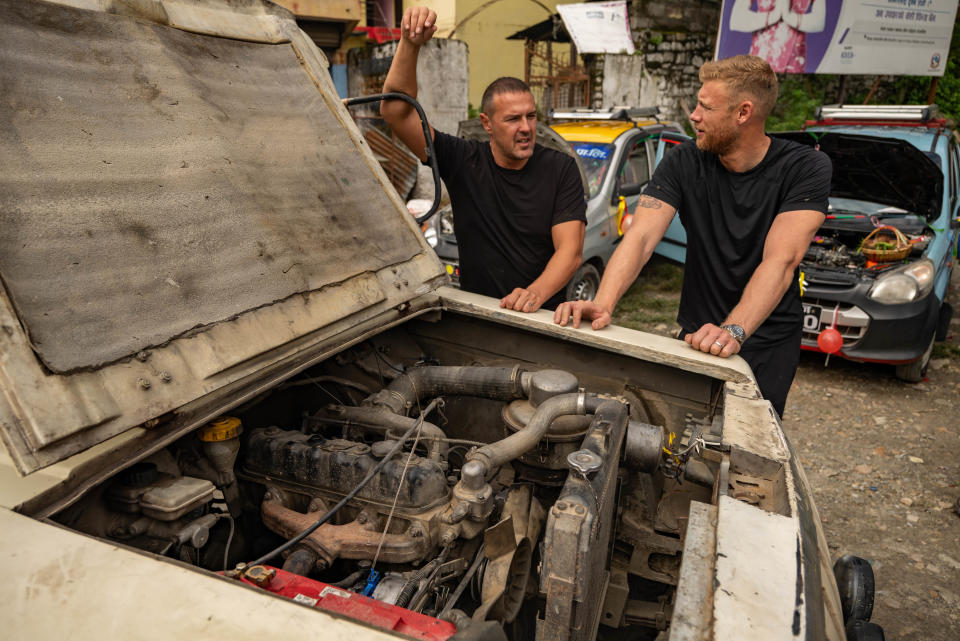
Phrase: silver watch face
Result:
[736,331]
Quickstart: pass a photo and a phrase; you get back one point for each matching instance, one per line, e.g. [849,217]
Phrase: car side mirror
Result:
[632,189]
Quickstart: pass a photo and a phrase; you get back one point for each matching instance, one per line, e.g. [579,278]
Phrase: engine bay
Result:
[443,482]
[837,244]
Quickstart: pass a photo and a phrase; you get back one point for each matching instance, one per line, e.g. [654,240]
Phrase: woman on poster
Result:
[779,29]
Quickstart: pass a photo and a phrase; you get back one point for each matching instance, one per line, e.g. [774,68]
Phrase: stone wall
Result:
[672,41]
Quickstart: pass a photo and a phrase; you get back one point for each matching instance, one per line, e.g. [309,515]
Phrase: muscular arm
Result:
[786,243]
[650,222]
[567,254]
[417,26]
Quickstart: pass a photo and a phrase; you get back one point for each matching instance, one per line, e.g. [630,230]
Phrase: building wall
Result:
[485,33]
[441,79]
[672,40]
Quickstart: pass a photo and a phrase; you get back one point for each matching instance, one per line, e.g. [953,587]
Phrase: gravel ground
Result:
[882,457]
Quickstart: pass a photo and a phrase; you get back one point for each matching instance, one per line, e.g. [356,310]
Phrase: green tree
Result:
[800,95]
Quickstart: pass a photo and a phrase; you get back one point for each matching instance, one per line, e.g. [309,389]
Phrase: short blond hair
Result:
[745,76]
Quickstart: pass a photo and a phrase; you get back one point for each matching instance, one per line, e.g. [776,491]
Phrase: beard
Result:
[718,141]
[510,149]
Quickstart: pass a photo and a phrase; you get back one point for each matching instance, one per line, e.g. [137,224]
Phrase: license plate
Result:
[811,317]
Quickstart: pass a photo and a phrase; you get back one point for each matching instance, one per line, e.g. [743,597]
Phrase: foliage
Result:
[800,95]
[945,350]
[797,103]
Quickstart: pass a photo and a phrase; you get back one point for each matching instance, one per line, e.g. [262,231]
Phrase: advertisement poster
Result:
[598,27]
[896,37]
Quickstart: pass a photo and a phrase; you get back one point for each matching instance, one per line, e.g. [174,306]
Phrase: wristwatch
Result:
[736,331]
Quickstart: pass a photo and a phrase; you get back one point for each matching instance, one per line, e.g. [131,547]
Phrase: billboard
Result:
[896,37]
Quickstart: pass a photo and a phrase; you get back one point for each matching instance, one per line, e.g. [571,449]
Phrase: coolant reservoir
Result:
[221,443]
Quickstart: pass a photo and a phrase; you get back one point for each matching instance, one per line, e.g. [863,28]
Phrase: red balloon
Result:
[830,341]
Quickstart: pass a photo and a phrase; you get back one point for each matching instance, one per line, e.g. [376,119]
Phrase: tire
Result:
[584,284]
[914,372]
[943,321]
[864,631]
[855,583]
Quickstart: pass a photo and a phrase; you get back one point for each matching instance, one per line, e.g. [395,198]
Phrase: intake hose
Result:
[415,385]
[480,462]
[435,437]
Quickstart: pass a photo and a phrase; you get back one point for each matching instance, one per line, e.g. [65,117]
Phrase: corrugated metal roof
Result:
[399,164]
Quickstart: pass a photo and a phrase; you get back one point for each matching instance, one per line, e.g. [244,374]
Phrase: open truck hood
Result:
[888,171]
[141,290]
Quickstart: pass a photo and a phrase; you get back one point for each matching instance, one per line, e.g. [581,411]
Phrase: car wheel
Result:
[855,583]
[864,631]
[915,371]
[943,322]
[584,284]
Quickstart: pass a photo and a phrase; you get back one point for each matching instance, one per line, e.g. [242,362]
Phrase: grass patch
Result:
[653,299]
[945,350]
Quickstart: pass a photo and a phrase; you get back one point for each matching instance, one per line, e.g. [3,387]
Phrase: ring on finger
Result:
[718,344]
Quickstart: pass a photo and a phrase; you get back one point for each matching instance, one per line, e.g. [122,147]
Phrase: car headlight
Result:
[904,284]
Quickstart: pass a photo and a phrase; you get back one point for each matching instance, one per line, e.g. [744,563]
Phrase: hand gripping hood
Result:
[185,205]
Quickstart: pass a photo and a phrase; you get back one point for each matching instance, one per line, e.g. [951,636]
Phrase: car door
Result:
[674,242]
[634,171]
[954,185]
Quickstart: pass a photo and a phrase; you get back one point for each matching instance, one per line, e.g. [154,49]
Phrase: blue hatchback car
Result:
[894,166]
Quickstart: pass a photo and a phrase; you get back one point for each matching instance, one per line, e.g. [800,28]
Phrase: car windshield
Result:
[595,158]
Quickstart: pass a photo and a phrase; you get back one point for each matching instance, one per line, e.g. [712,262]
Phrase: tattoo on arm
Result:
[650,202]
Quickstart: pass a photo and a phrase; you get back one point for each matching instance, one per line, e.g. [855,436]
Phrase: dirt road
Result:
[883,458]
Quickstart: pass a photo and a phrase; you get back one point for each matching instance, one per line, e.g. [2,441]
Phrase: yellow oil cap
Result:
[222,429]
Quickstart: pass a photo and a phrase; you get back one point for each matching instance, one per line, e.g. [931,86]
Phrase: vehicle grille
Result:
[852,322]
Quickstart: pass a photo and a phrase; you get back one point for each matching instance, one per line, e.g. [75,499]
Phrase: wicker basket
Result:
[885,244]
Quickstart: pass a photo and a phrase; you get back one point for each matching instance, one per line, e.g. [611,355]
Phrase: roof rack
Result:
[918,114]
[617,112]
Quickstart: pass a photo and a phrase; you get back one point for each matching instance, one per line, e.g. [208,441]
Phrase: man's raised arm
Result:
[650,222]
[417,26]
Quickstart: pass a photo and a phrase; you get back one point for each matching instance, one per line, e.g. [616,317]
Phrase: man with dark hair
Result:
[519,208]
[750,205]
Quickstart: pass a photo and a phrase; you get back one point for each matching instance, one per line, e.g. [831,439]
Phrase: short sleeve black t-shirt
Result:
[727,216]
[503,217]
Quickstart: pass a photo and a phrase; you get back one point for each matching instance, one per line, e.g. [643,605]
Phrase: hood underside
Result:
[157,181]
[181,184]
[888,171]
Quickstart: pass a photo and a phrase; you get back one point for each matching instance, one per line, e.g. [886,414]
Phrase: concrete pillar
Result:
[441,79]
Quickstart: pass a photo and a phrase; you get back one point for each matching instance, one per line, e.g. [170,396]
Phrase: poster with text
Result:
[896,37]
[598,27]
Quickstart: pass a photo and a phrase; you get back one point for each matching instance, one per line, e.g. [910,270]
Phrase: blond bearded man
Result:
[519,208]
[750,204]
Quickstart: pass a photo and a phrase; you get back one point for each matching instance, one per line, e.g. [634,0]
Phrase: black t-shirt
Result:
[727,216]
[503,217]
